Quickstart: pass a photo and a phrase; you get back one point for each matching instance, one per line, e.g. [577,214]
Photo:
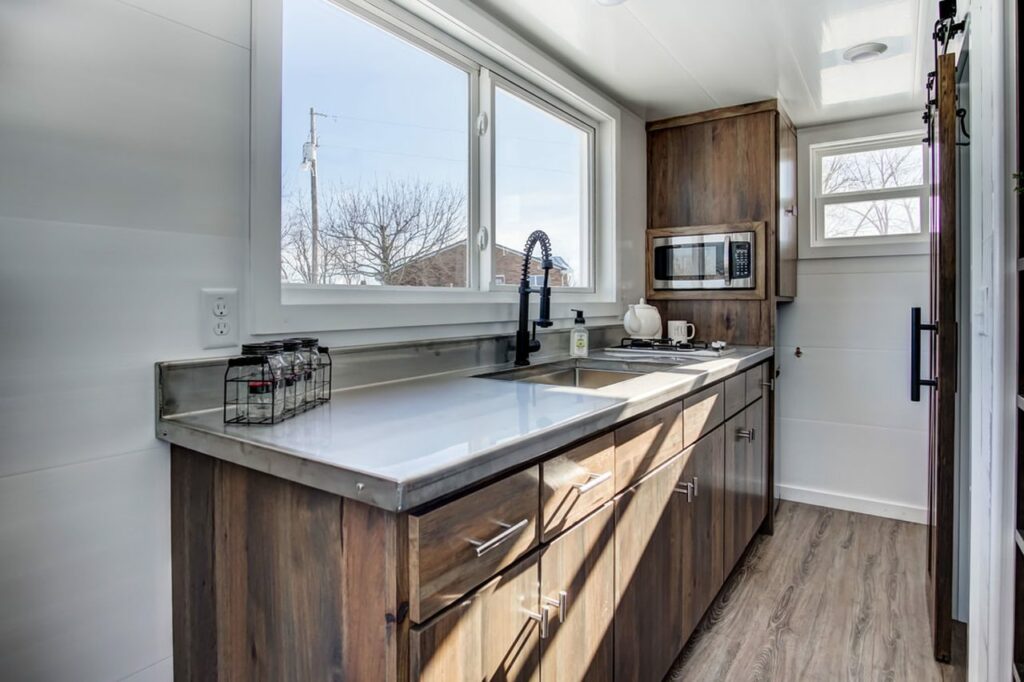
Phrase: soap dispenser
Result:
[579,338]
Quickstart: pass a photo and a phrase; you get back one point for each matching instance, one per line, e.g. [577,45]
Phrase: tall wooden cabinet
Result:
[728,166]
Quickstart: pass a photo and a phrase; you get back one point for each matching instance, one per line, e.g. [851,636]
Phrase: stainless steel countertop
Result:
[404,444]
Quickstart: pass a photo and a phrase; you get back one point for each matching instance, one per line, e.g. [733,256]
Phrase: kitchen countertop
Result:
[405,444]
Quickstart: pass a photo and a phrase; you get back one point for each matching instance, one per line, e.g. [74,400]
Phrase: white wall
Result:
[850,437]
[124,137]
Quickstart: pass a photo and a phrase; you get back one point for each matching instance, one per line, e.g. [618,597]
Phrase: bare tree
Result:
[393,224]
[878,169]
[378,235]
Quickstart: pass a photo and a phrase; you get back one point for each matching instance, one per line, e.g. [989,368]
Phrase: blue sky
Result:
[395,111]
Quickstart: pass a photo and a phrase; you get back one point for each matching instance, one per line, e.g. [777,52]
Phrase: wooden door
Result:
[942,397]
[487,636]
[649,613]
[745,488]
[702,526]
[578,587]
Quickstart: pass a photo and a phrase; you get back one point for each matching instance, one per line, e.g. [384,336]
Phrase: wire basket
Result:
[264,390]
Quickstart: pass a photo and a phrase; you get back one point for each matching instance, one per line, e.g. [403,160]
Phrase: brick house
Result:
[446,267]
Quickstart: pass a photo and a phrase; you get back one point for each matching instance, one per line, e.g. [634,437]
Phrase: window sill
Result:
[451,310]
[898,248]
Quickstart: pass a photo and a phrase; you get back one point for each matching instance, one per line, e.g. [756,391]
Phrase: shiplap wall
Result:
[850,437]
[123,155]
[124,147]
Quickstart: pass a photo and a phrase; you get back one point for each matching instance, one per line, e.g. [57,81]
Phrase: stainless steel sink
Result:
[578,377]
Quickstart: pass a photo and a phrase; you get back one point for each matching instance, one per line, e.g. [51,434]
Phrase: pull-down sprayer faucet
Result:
[525,344]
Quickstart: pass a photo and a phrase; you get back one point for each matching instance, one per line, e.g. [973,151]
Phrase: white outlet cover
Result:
[218,318]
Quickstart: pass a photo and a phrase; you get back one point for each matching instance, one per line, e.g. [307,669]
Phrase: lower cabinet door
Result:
[702,525]
[493,634]
[649,614]
[745,471]
[578,589]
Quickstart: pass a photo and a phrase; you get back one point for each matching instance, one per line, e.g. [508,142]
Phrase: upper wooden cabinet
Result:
[731,165]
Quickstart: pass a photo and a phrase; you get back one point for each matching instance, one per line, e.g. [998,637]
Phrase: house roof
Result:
[558,262]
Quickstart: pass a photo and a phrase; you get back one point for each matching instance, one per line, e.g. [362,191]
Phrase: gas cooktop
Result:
[669,348]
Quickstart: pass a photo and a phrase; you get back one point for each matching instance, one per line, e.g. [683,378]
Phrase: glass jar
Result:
[310,348]
[264,383]
[294,375]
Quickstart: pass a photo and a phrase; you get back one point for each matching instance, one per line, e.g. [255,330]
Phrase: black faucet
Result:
[525,344]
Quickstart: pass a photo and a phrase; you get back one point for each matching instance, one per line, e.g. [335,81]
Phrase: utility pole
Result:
[309,163]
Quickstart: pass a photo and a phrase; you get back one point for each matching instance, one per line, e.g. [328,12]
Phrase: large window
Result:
[869,192]
[390,144]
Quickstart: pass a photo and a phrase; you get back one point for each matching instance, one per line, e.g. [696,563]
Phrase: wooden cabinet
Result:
[720,168]
[576,483]
[650,610]
[488,635]
[542,574]
[457,546]
[702,412]
[785,273]
[578,591]
[645,443]
[745,496]
[702,526]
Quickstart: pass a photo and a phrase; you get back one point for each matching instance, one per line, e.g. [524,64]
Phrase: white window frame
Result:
[819,200]
[463,38]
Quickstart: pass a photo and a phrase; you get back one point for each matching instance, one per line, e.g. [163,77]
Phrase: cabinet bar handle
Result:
[686,489]
[543,618]
[593,480]
[695,491]
[562,603]
[745,433]
[510,530]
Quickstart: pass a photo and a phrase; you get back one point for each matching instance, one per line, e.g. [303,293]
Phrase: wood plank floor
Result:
[832,595]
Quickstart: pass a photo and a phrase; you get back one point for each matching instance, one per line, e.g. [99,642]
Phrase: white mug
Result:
[681,330]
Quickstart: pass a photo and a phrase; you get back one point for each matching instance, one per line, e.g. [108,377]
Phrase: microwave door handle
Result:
[727,261]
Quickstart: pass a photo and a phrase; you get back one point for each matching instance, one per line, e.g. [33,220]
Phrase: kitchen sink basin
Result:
[578,377]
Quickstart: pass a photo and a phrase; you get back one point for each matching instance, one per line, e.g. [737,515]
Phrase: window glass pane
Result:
[541,183]
[874,169]
[385,183]
[873,218]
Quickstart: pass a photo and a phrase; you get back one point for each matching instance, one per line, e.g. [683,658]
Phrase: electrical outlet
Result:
[218,318]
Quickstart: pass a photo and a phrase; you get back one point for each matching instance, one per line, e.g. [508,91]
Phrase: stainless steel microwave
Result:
[703,261]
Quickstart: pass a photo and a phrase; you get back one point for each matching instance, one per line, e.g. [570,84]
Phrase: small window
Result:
[869,192]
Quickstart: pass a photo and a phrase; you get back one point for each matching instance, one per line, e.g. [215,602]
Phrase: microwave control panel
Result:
[740,266]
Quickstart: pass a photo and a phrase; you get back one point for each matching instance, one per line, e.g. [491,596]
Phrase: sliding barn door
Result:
[942,438]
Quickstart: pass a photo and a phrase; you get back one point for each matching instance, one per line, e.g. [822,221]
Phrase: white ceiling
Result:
[667,57]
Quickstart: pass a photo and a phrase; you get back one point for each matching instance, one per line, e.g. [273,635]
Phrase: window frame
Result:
[276,307]
[820,200]
[575,119]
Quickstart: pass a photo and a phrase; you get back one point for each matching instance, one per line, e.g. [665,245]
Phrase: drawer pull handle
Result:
[695,491]
[593,480]
[543,618]
[510,530]
[686,489]
[562,603]
[745,433]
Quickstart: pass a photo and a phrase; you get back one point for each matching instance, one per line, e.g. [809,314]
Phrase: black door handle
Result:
[916,327]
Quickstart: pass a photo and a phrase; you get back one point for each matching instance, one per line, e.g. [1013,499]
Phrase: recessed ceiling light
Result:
[609,3]
[865,52]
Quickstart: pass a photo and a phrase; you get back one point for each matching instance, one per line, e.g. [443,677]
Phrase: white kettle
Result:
[642,321]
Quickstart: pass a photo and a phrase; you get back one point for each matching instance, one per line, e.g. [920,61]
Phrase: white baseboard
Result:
[862,505]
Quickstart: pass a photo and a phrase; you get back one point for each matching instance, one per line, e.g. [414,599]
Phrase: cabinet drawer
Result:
[576,483]
[702,412]
[735,394]
[488,635]
[642,445]
[755,379]
[458,546]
